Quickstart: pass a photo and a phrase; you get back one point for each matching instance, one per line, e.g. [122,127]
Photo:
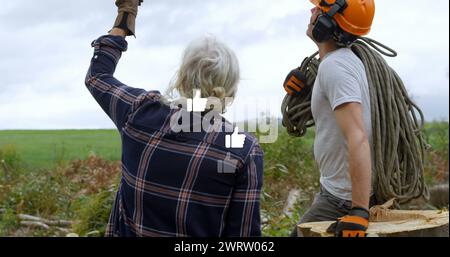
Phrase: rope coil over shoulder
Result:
[398,143]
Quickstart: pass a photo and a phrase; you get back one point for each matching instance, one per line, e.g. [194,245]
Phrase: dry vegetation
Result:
[82,191]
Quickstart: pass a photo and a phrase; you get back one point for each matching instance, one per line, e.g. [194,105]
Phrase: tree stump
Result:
[393,223]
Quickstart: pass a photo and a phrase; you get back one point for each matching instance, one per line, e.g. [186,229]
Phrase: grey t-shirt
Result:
[341,79]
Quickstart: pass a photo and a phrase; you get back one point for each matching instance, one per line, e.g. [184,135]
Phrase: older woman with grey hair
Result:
[188,181]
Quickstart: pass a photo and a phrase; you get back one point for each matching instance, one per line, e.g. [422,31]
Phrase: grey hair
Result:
[208,65]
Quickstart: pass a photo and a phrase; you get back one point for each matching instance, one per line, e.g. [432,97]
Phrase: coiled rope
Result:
[398,143]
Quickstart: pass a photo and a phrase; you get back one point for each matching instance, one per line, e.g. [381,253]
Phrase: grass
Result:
[48,149]
[74,175]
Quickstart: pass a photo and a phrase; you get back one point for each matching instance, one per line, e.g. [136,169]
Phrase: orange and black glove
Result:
[295,83]
[353,225]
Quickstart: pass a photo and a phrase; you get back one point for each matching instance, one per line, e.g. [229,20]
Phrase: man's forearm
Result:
[360,161]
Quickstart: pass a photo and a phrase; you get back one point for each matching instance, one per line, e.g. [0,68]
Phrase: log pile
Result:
[30,221]
[38,222]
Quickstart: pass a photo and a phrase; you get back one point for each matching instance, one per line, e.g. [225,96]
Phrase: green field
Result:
[74,174]
[46,149]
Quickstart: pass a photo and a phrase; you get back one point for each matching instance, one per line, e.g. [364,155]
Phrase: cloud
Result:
[46,51]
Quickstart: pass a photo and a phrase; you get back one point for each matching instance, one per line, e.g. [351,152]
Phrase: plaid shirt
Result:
[170,184]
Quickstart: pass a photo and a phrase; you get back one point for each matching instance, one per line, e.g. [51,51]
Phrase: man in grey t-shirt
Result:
[341,84]
[341,111]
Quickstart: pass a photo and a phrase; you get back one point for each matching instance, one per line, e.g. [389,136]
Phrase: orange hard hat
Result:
[357,17]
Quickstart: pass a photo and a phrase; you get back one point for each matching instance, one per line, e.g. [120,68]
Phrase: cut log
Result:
[35,224]
[393,224]
[292,199]
[61,223]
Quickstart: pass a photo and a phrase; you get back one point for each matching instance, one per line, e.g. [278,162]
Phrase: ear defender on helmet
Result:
[325,25]
[323,29]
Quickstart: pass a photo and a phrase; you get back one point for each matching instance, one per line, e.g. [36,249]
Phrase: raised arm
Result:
[115,98]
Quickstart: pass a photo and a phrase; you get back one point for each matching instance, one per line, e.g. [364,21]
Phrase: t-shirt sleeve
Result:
[340,84]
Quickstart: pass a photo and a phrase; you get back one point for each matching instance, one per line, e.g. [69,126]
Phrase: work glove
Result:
[126,19]
[295,83]
[353,225]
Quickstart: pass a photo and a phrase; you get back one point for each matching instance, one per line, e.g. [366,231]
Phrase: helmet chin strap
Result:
[317,18]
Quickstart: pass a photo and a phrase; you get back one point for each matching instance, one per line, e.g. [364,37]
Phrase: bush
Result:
[8,222]
[84,190]
[436,161]
[9,160]
[436,134]
[289,164]
[92,213]
[36,193]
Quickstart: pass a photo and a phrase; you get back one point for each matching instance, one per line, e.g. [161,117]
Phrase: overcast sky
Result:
[45,51]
